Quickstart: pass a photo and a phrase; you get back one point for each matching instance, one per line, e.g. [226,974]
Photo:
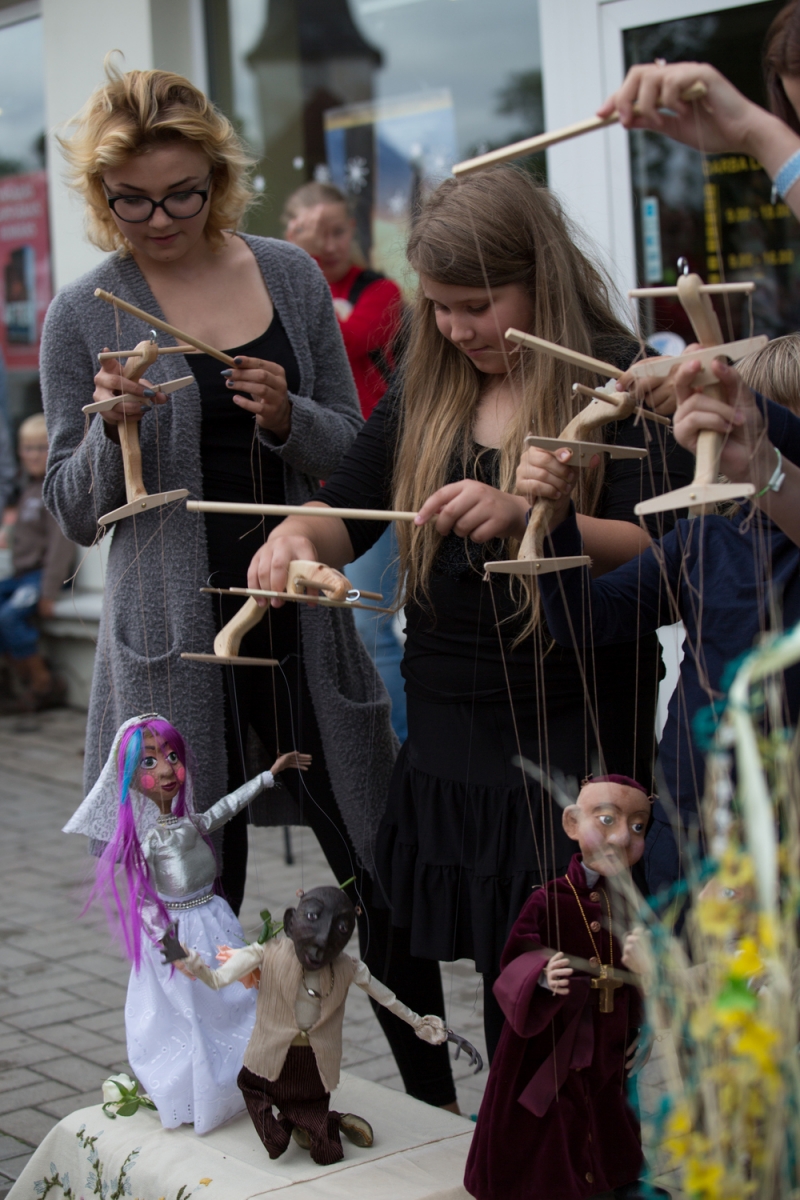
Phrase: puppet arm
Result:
[240,963]
[430,1029]
[229,806]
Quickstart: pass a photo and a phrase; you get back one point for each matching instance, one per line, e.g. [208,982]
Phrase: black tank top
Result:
[236,464]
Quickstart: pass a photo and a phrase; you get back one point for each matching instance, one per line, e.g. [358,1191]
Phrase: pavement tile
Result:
[72,1038]
[69,1104]
[16,1077]
[60,1013]
[11,1006]
[27,1124]
[109,1023]
[76,1072]
[110,995]
[12,1168]
[33,1095]
[33,1055]
[108,1055]
[12,1147]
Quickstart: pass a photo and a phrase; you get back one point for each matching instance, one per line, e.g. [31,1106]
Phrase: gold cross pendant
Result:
[606,982]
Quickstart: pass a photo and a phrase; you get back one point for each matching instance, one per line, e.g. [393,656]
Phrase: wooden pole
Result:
[164,327]
[543,140]
[573,357]
[297,510]
[111,355]
[706,289]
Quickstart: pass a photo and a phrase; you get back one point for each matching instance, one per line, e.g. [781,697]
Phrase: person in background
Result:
[41,558]
[369,308]
[8,467]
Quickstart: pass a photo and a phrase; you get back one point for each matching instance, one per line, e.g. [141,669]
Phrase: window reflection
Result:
[379,95]
[716,209]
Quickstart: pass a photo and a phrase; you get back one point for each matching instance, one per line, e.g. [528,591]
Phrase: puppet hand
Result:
[636,954]
[223,954]
[723,120]
[268,393]
[109,381]
[294,759]
[461,1043]
[431,1029]
[474,510]
[557,973]
[747,454]
[172,950]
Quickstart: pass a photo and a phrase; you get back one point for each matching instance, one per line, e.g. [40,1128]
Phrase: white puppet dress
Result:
[185,1044]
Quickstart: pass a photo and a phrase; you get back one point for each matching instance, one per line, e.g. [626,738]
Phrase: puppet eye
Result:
[606,819]
[149,762]
[172,758]
[311,915]
[638,827]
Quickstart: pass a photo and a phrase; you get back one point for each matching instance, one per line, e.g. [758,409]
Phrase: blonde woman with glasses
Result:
[165,184]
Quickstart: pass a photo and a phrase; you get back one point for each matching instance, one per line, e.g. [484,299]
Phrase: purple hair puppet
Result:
[184,1044]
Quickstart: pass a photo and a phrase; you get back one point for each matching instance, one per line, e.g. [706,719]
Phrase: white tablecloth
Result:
[419,1154]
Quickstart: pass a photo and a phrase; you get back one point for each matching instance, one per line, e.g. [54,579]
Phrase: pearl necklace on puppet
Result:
[607,981]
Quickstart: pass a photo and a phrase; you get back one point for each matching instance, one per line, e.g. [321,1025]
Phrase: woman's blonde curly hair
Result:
[131,113]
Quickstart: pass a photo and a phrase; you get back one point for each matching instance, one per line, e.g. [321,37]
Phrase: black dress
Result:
[467,833]
[238,466]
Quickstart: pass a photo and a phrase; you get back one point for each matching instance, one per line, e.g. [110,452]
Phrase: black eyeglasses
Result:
[179,205]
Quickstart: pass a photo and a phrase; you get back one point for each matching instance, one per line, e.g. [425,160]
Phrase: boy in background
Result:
[41,558]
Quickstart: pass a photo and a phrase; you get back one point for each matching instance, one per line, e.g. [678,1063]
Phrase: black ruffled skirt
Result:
[466,834]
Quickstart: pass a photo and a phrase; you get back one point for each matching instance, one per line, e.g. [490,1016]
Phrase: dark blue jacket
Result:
[729,580]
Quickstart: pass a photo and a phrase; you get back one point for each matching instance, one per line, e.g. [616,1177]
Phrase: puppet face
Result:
[474,320]
[320,926]
[160,772]
[608,821]
[166,170]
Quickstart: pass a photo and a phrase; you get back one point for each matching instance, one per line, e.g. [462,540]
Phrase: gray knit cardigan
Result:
[158,561]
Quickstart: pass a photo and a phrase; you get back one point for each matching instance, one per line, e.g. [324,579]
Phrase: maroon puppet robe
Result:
[555,1123]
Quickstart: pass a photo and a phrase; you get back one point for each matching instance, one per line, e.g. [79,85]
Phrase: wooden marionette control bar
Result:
[532,560]
[705,491]
[541,142]
[157,323]
[298,510]
[139,500]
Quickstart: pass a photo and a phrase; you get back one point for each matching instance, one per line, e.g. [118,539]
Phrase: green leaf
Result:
[128,1108]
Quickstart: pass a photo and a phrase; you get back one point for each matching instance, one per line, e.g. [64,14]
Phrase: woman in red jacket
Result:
[369,307]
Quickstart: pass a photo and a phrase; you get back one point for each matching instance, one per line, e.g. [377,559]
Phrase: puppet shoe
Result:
[356,1130]
[302,1137]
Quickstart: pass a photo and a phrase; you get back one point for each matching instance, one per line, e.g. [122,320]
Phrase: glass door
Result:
[715,210]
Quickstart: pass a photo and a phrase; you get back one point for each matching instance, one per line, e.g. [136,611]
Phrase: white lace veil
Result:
[97,815]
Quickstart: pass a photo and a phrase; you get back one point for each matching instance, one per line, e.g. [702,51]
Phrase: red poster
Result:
[25,285]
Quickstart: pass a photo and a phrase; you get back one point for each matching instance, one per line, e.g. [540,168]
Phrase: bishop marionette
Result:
[555,1122]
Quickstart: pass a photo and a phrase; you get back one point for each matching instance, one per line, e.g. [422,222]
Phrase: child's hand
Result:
[632,1054]
[474,510]
[45,607]
[557,973]
[293,759]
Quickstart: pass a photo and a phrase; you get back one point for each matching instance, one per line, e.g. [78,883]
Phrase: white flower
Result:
[111,1088]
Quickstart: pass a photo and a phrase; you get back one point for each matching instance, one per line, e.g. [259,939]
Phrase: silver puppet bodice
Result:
[181,862]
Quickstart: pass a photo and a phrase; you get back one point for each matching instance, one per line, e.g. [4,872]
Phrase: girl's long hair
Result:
[124,852]
[488,230]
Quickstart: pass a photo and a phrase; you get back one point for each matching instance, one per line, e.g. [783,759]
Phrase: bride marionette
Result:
[158,866]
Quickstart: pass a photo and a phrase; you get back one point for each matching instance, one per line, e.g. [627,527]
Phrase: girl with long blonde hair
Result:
[466,834]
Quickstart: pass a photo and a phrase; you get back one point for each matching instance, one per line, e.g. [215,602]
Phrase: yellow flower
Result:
[704,1179]
[746,962]
[206,1181]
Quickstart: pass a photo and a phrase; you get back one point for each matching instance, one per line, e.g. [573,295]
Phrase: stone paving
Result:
[63,980]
